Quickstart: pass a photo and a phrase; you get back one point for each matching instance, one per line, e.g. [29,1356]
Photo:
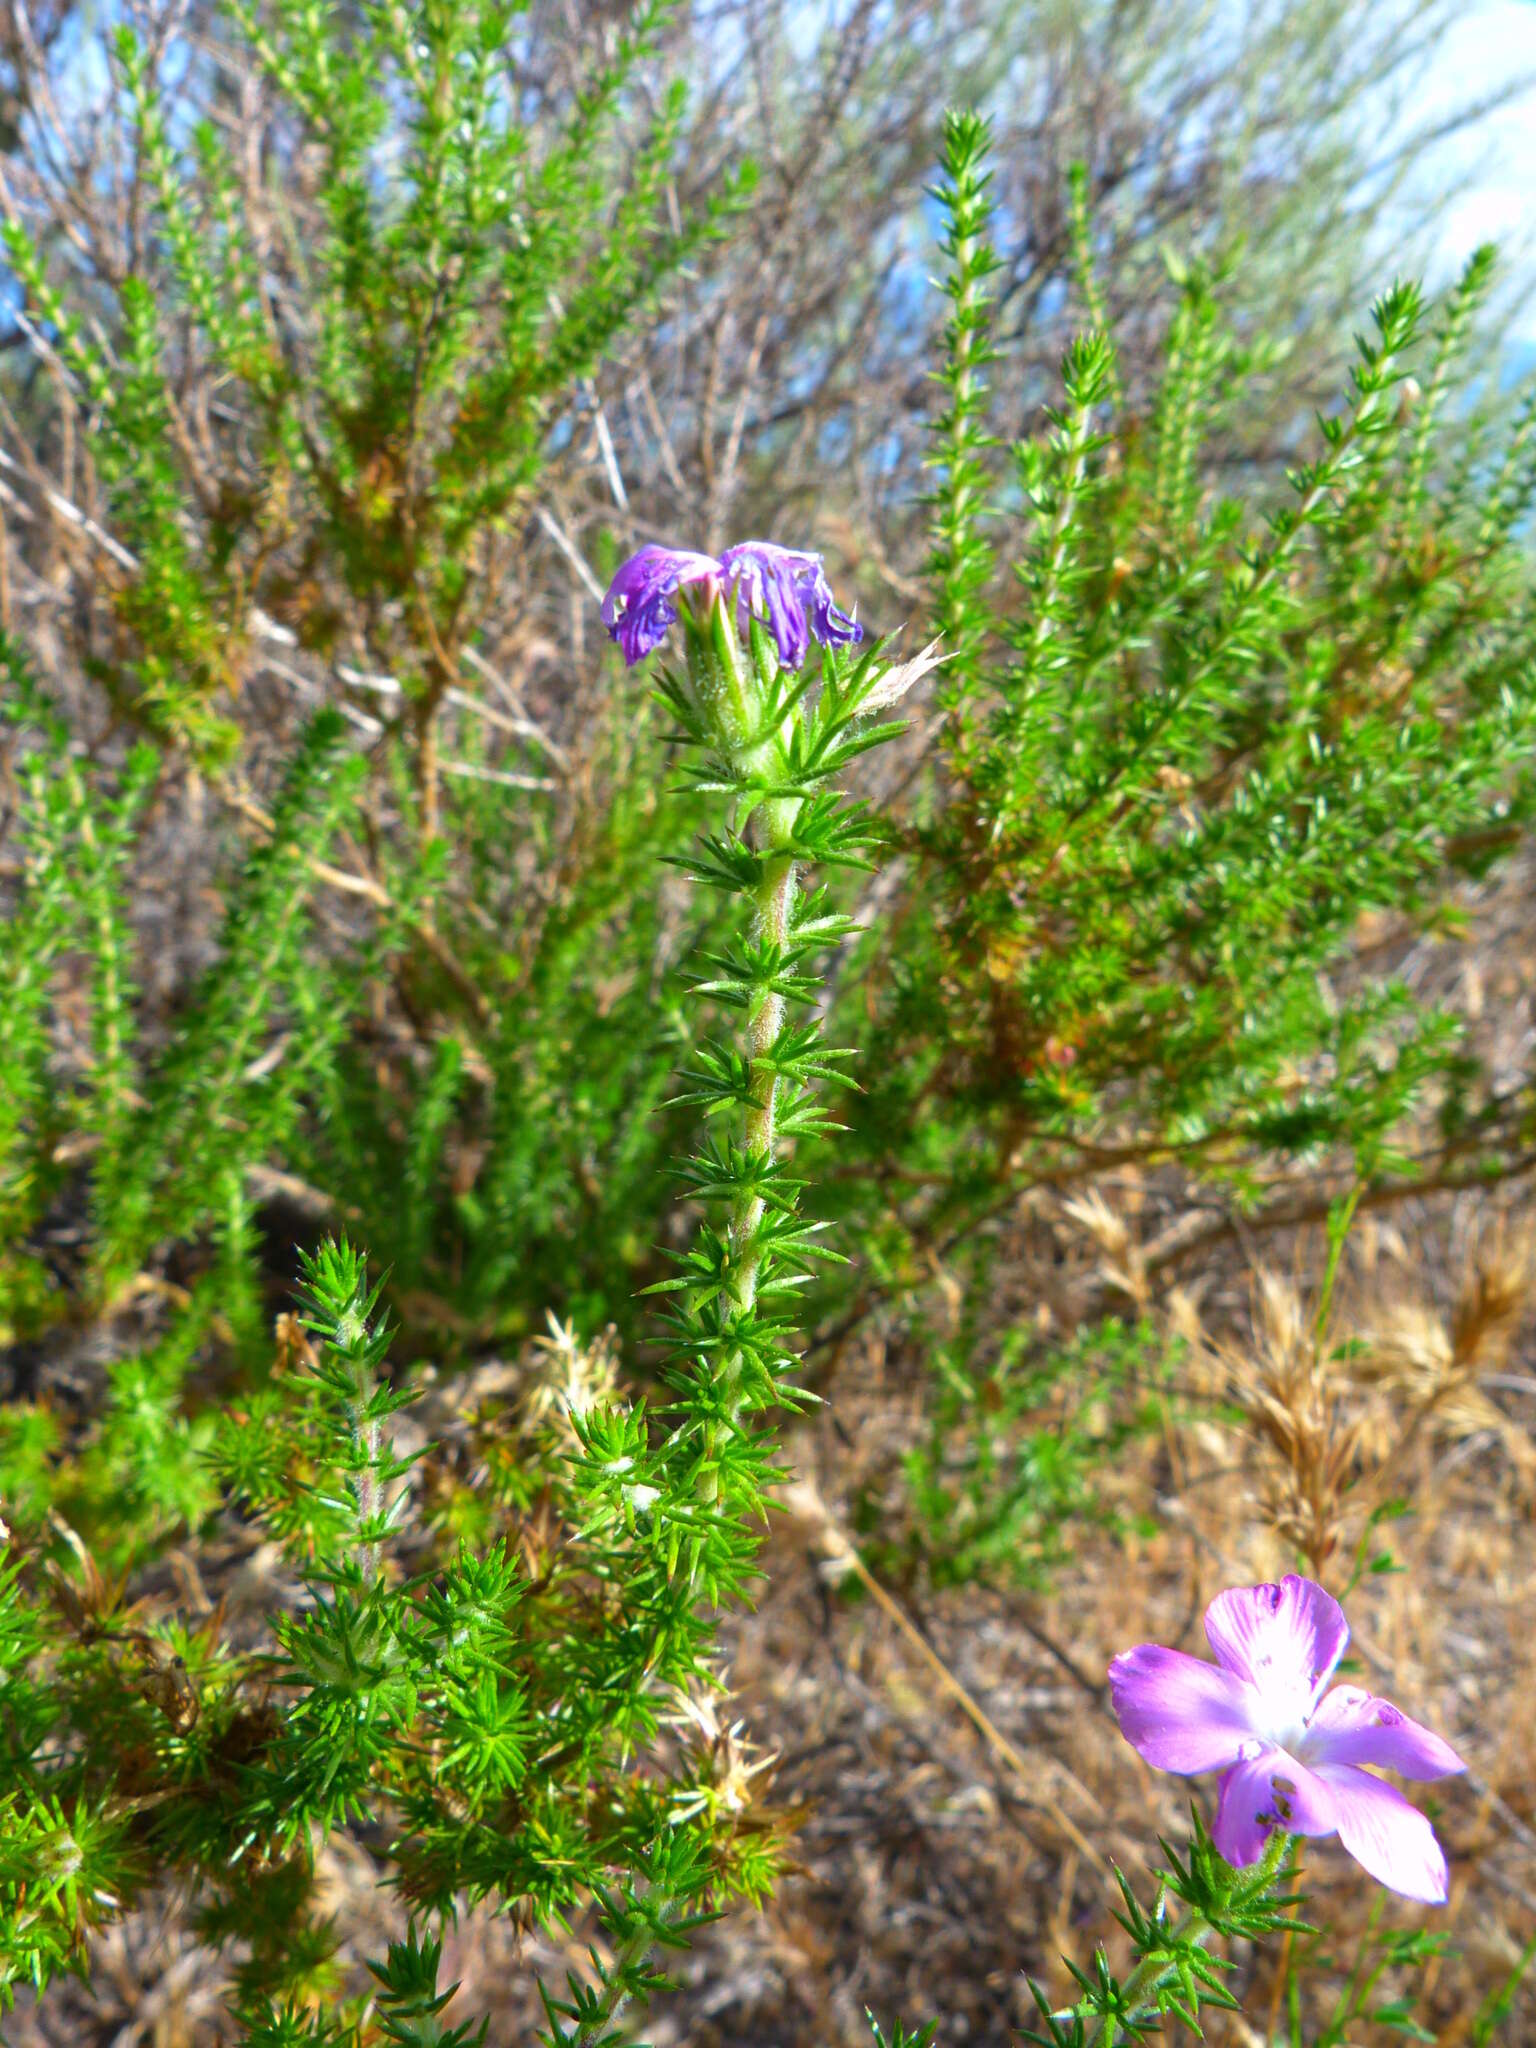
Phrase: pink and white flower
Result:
[1290,1755]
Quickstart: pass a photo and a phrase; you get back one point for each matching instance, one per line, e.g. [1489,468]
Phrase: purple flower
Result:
[789,591]
[1289,1755]
[640,605]
[784,587]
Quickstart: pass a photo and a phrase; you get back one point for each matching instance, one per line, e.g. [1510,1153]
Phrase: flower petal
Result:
[1179,1712]
[1386,1836]
[787,588]
[832,626]
[639,607]
[767,579]
[1284,1639]
[1351,1726]
[1268,1791]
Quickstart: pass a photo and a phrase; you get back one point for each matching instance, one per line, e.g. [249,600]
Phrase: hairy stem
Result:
[773,915]
[1106,2030]
[368,1437]
[771,922]
[599,2027]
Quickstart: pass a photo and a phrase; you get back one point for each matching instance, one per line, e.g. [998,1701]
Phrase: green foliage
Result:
[1005,1478]
[168,1130]
[409,2000]
[1174,1973]
[901,2038]
[382,384]
[1373,1989]
[203,1115]
[461,284]
[1496,2008]
[389,378]
[961,562]
[772,742]
[517,1159]
[449,1702]
[1194,743]
[493,1713]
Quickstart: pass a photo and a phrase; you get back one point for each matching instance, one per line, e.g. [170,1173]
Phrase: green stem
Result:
[1340,1217]
[599,2026]
[1106,2029]
[772,919]
[369,1440]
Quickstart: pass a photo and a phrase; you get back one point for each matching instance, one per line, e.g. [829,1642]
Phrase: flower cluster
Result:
[785,588]
[1289,1753]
